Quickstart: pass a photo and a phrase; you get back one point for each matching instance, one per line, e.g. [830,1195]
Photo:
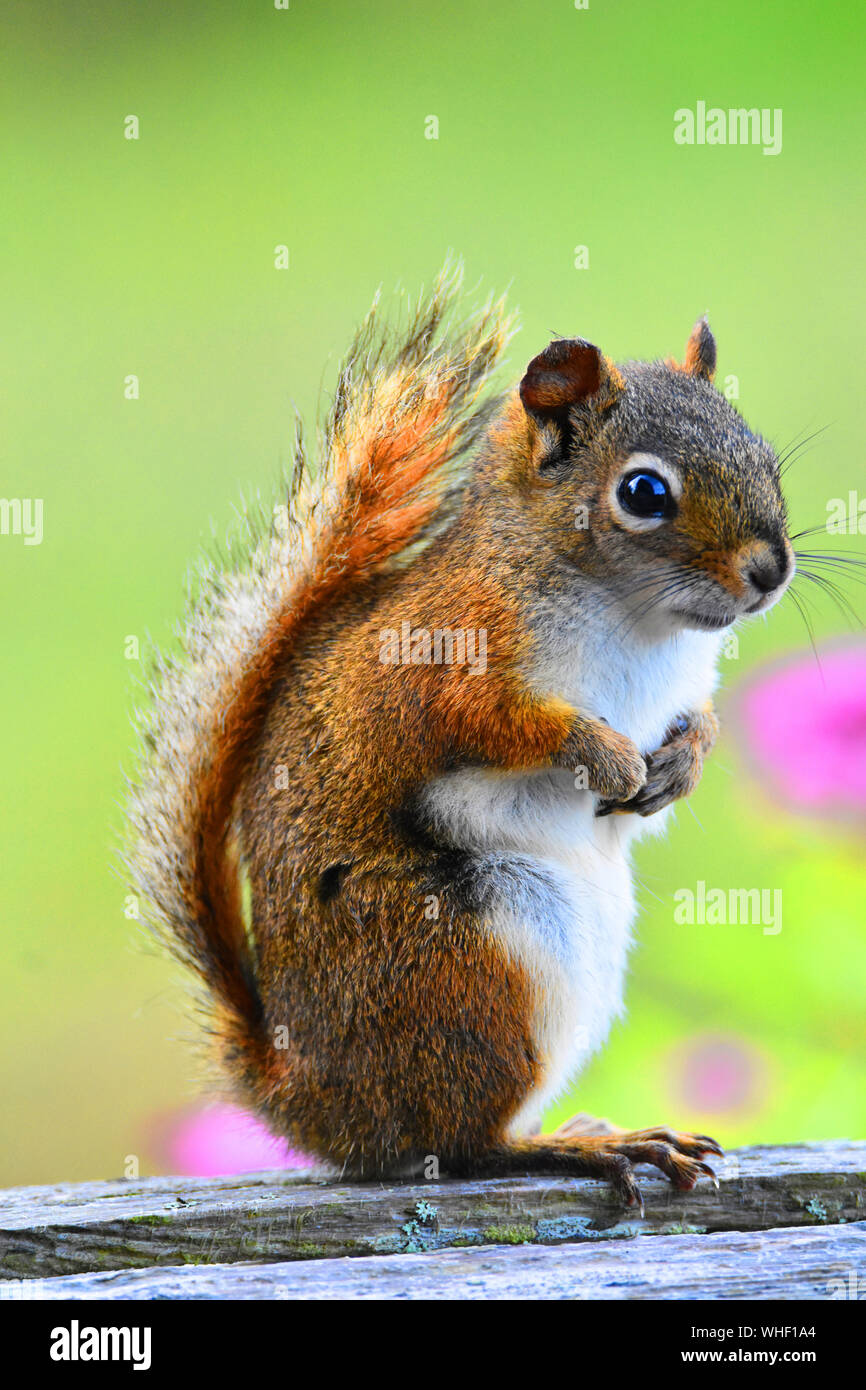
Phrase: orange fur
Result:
[367,1010]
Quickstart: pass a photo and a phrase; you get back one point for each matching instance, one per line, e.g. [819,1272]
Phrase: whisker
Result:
[822,527]
[832,557]
[836,594]
[798,603]
[796,450]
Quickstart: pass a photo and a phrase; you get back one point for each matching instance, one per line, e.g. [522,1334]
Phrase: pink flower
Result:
[220,1139]
[718,1074]
[805,727]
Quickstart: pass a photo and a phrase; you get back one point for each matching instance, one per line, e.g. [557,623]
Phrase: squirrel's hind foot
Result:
[677,1155]
[610,1155]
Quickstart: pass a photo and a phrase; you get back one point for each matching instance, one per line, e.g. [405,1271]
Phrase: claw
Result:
[626,1185]
[634,1197]
[709,1145]
[709,1173]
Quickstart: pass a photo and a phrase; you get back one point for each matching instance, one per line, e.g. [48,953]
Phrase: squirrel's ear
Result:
[570,372]
[700,357]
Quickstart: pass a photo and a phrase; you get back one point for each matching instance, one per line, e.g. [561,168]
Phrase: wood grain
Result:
[269,1218]
[826,1262]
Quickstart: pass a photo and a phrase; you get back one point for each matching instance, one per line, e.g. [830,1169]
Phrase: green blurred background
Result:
[260,127]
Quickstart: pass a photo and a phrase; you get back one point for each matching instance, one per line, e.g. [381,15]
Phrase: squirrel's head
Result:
[646,478]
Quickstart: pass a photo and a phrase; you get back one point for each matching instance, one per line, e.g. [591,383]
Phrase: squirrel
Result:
[389,786]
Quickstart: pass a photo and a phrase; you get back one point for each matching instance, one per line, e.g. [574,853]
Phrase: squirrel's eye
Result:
[645,495]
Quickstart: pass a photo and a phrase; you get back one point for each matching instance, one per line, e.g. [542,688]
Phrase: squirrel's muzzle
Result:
[765,569]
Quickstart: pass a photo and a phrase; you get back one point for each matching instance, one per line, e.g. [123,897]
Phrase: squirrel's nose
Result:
[766,568]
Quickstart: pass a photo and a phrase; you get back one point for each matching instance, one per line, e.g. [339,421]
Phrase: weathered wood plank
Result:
[270,1217]
[792,1263]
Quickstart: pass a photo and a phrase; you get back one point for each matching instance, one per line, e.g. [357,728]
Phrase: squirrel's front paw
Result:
[613,765]
[673,771]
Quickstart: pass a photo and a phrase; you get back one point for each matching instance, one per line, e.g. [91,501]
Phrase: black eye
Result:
[645,495]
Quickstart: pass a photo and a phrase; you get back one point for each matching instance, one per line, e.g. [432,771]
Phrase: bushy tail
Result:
[408,406]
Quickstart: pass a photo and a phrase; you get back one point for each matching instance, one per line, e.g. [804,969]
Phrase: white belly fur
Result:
[562,903]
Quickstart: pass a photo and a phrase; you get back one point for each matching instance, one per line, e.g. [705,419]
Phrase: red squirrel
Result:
[388,789]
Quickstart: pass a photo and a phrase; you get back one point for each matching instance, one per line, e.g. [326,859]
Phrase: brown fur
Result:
[365,1011]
